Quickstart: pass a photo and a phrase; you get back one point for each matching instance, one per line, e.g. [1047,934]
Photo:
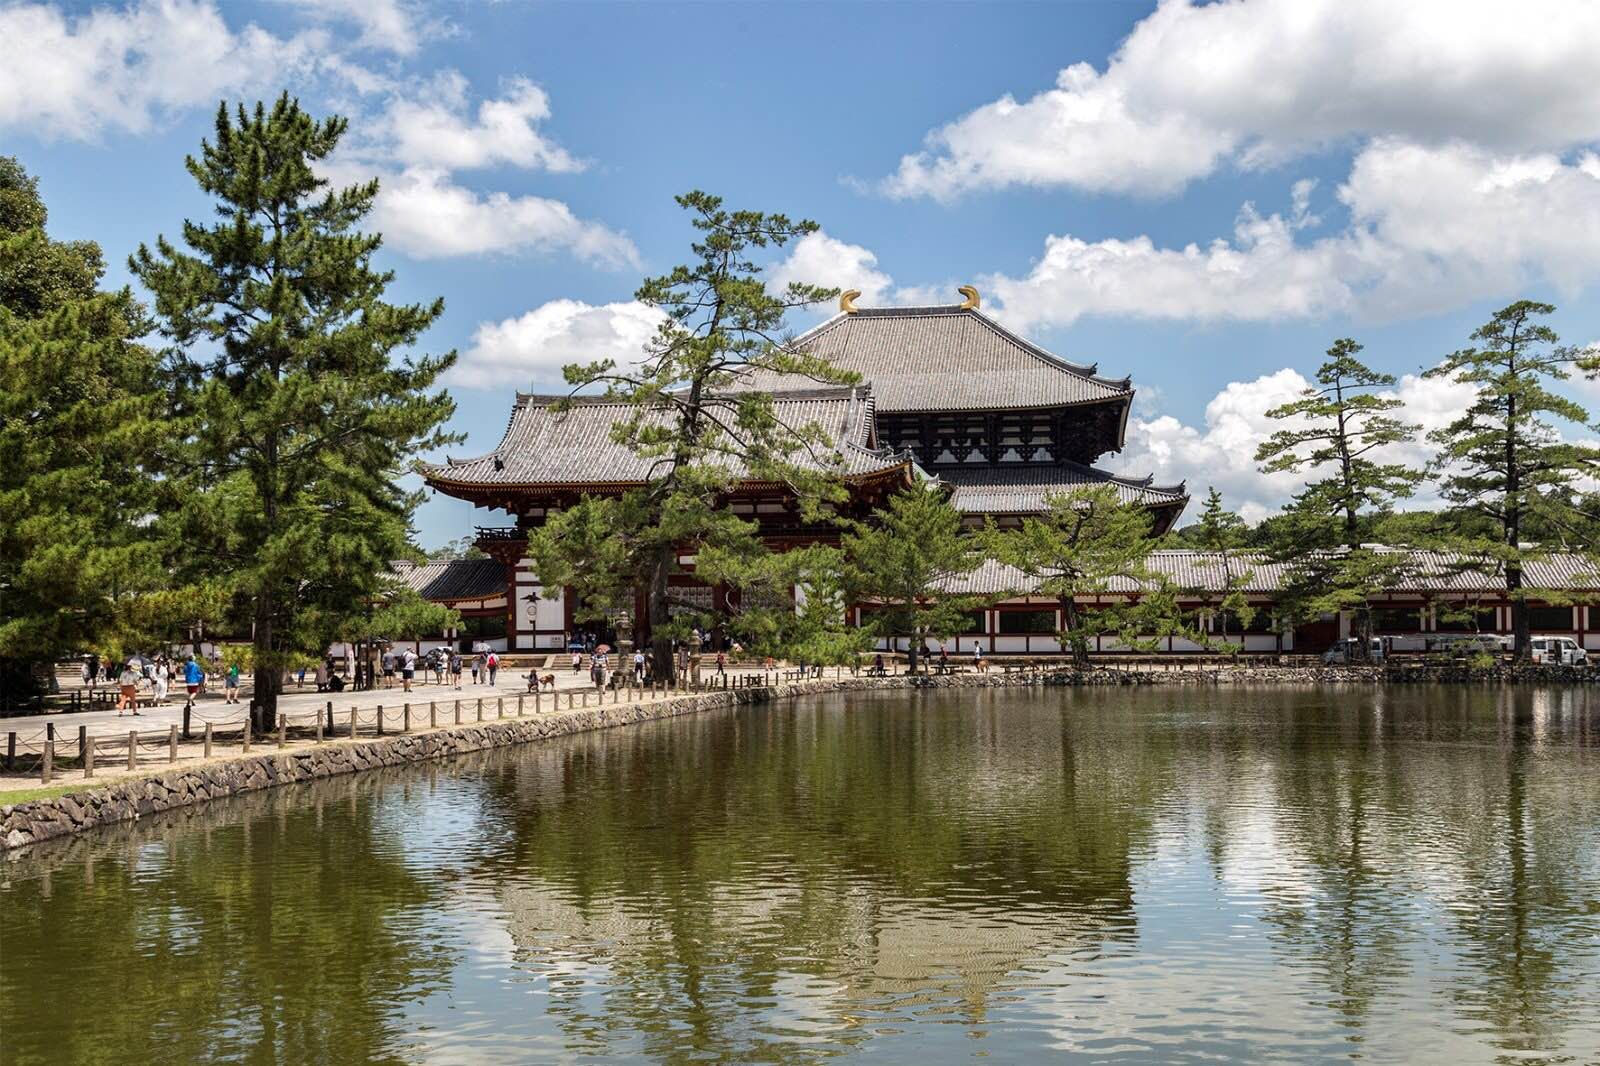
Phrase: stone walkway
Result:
[301,707]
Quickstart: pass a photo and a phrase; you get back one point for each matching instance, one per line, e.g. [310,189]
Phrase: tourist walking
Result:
[408,669]
[321,676]
[577,660]
[163,671]
[492,664]
[638,666]
[128,689]
[231,691]
[455,669]
[477,665]
[192,678]
[977,660]
[722,662]
[388,669]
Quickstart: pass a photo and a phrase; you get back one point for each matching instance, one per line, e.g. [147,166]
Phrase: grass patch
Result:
[28,795]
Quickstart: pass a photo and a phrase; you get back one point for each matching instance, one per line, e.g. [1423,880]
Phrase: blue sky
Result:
[1201,196]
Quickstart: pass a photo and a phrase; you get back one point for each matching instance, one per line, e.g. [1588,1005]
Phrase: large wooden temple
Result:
[945,392]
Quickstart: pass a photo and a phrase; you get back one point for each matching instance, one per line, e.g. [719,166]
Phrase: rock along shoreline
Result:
[128,800]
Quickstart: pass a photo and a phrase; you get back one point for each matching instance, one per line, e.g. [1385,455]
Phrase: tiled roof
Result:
[543,447]
[947,358]
[1022,490]
[454,579]
[1430,572]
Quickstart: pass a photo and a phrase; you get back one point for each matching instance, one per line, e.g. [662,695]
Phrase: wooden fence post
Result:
[499,707]
[330,718]
[11,750]
[172,743]
[480,708]
[247,731]
[458,712]
[47,763]
[380,719]
[283,728]
[433,715]
[83,739]
[353,723]
[88,757]
[187,707]
[133,750]
[405,718]
[319,727]
[519,706]
[208,740]
[538,698]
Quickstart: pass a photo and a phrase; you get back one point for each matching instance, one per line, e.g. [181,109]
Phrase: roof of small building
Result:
[1022,490]
[448,580]
[542,446]
[947,358]
[1429,572]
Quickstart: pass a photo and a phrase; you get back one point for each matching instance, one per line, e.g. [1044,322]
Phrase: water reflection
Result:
[1125,876]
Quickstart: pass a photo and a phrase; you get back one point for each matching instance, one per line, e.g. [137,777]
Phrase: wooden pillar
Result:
[283,728]
[208,740]
[133,750]
[172,743]
[88,757]
[47,763]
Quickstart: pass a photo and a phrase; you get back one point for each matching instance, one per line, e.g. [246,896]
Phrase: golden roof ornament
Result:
[847,300]
[972,301]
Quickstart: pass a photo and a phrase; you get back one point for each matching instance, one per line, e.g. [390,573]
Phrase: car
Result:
[1344,651]
[1558,651]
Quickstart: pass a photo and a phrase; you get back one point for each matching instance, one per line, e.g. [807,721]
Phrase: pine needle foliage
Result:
[297,401]
[79,423]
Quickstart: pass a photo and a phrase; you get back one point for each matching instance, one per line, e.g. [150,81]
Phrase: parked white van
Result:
[1558,651]
[1344,651]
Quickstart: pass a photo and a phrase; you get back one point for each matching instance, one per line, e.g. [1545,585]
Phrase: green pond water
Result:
[1107,876]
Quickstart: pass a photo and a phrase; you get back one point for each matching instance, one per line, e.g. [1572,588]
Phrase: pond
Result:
[1112,875]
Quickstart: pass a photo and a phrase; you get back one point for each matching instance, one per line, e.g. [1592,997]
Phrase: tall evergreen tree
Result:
[686,416]
[1343,423]
[1088,542]
[1222,535]
[1503,458]
[911,561]
[298,409]
[78,406]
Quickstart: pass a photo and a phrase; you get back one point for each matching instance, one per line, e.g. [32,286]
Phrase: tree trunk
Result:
[1080,648]
[660,615]
[268,678]
[914,650]
[1521,635]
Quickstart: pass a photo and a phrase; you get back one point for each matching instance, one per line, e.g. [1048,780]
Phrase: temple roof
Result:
[575,447]
[947,358]
[1430,572]
[1022,490]
[448,580]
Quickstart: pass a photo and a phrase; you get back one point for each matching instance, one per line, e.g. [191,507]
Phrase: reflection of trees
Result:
[232,935]
[910,854]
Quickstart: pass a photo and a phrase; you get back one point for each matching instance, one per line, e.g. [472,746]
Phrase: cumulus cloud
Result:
[1253,82]
[1221,451]
[1431,227]
[427,215]
[77,77]
[394,26]
[435,128]
[818,259]
[533,347]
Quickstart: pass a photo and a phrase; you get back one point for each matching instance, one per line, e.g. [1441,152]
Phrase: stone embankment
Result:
[130,799]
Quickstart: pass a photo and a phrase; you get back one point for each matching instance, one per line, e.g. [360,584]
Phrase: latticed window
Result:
[1028,623]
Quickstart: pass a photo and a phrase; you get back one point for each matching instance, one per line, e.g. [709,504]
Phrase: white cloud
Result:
[1431,228]
[74,78]
[427,215]
[535,346]
[394,26]
[439,132]
[1222,451]
[818,259]
[1254,82]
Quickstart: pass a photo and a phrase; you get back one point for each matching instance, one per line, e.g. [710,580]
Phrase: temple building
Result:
[946,392]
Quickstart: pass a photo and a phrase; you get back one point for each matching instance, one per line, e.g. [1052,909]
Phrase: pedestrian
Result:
[977,659]
[302,675]
[455,669]
[192,676]
[388,669]
[128,687]
[722,662]
[477,665]
[493,665]
[321,676]
[638,666]
[577,660]
[408,668]
[163,671]
[597,669]
[231,691]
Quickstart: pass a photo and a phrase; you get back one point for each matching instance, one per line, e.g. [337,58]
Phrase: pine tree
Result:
[79,407]
[1222,535]
[1088,543]
[701,433]
[911,561]
[1503,460]
[1344,425]
[298,410]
